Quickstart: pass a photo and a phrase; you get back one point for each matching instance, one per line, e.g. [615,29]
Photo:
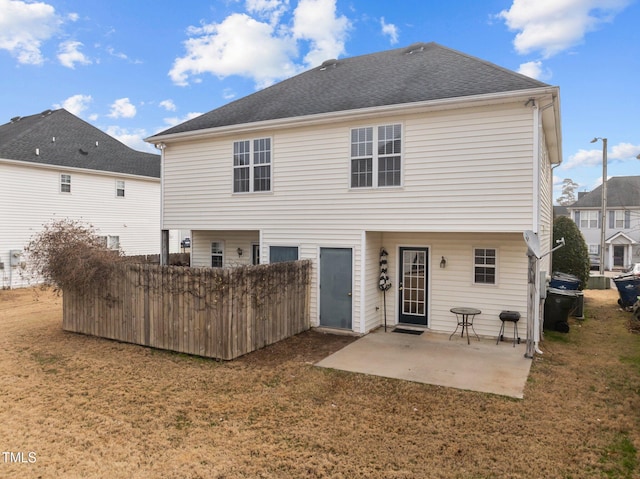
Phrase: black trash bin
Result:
[557,307]
[564,281]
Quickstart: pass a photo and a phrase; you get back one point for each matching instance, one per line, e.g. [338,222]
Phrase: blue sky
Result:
[135,67]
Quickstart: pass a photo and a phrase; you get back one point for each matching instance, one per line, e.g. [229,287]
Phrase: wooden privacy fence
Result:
[211,312]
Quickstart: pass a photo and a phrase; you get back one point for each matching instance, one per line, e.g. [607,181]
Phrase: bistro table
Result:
[464,317]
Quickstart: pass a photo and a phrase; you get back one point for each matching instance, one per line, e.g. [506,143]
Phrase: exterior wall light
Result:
[443,263]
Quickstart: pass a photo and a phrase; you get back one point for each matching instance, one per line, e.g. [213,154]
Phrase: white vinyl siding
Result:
[464,170]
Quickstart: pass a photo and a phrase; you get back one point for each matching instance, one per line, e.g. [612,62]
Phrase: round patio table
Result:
[464,317]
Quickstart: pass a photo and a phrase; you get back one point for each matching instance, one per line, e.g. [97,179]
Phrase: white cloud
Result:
[69,54]
[122,108]
[271,9]
[552,26]
[24,26]
[173,121]
[240,45]
[389,29]
[619,152]
[168,105]
[263,51]
[132,138]
[316,21]
[535,70]
[75,104]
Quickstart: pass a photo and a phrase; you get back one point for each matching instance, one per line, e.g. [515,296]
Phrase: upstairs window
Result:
[65,183]
[484,265]
[380,166]
[252,165]
[588,219]
[120,188]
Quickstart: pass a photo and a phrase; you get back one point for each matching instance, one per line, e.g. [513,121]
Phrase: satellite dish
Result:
[533,244]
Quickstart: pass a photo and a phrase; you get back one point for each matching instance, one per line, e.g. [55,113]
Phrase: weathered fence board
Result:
[217,313]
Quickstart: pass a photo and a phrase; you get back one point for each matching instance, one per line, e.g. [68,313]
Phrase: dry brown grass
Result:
[94,408]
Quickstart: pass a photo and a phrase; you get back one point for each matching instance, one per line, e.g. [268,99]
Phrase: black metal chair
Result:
[511,317]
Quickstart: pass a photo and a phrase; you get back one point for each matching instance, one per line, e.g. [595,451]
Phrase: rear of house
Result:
[437,159]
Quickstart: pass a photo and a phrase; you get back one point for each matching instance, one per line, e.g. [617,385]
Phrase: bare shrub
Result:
[69,254]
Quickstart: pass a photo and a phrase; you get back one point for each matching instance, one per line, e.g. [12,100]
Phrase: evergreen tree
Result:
[573,258]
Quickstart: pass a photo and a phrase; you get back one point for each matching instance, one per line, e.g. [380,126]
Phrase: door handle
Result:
[400,287]
[348,294]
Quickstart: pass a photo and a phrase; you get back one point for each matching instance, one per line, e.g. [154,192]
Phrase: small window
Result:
[252,165]
[484,265]
[65,183]
[113,242]
[280,254]
[120,188]
[217,259]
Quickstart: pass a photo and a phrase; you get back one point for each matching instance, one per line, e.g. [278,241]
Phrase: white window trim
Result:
[618,217]
[473,266]
[252,166]
[221,243]
[589,214]
[375,158]
[118,189]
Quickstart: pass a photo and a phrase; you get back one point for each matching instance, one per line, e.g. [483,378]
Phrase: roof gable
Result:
[421,72]
[57,137]
[622,192]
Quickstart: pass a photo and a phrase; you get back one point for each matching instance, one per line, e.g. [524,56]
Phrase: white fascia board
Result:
[115,174]
[331,117]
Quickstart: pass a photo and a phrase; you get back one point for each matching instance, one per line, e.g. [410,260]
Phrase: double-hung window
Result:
[252,165]
[588,219]
[217,254]
[376,156]
[484,265]
[120,188]
[65,183]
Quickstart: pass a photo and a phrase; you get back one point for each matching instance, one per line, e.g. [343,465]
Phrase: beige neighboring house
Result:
[439,158]
[53,165]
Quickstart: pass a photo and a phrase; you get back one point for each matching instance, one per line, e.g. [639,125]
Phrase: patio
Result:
[432,358]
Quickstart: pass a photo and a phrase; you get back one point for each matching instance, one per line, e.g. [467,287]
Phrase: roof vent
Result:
[328,64]
[415,48]
[82,152]
[46,112]
[37,151]
[16,119]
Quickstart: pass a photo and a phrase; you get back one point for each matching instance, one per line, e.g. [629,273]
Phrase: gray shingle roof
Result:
[421,72]
[74,145]
[622,192]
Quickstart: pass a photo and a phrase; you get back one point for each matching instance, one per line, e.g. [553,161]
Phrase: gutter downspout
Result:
[164,235]
[534,295]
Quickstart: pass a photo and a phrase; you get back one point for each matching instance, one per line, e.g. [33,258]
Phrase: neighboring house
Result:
[622,222]
[440,158]
[54,165]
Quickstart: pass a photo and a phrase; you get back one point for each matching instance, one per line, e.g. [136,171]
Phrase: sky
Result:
[134,68]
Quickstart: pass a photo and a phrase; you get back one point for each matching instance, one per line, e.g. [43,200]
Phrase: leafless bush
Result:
[69,254]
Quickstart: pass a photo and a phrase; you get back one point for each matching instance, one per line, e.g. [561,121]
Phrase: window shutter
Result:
[612,219]
[577,218]
[627,219]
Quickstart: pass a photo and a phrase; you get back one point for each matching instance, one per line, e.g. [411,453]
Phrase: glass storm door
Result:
[413,286]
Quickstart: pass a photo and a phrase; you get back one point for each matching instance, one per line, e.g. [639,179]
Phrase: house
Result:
[439,159]
[622,223]
[53,165]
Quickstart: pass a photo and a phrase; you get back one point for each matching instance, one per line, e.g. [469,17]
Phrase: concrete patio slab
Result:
[432,358]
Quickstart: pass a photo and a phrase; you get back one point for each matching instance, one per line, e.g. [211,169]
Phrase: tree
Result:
[69,254]
[573,258]
[568,196]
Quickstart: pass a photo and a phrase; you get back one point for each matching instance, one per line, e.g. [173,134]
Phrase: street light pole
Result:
[603,214]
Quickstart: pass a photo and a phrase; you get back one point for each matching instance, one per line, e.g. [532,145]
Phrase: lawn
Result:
[79,406]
